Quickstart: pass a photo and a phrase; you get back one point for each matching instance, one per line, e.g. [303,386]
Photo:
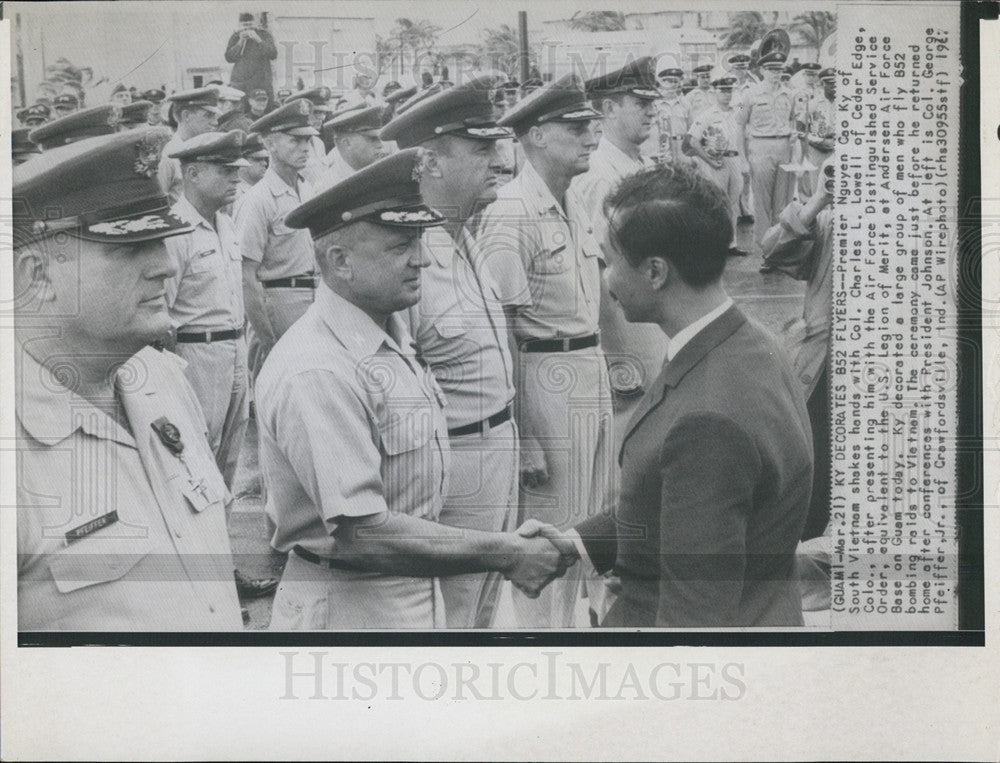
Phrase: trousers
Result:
[482,495]
[218,373]
[564,405]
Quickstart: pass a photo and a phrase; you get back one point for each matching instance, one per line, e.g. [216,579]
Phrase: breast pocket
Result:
[99,558]
[551,261]
[203,261]
[406,430]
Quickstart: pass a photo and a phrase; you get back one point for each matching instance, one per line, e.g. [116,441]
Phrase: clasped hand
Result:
[544,554]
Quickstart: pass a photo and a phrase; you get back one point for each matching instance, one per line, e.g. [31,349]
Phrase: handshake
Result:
[543,554]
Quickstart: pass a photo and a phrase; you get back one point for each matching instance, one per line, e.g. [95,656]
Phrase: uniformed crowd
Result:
[410,291]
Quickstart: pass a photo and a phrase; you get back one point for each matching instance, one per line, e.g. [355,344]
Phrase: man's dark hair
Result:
[674,213]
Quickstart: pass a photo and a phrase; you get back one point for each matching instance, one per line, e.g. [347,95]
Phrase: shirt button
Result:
[177,534]
[211,608]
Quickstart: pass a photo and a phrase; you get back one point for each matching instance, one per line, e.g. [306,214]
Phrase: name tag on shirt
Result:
[91,527]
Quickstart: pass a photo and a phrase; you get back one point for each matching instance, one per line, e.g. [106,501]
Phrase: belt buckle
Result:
[565,343]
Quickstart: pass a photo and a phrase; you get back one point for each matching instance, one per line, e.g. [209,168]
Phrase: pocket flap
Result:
[90,563]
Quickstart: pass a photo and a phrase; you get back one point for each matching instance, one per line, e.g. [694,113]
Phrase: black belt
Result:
[295,282]
[560,345]
[477,427]
[770,137]
[321,561]
[207,337]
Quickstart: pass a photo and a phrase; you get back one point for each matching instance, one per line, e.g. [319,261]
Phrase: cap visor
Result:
[300,131]
[577,115]
[418,216]
[485,133]
[130,230]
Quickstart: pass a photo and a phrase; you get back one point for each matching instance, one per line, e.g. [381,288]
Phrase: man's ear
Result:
[658,272]
[31,276]
[336,261]
[536,133]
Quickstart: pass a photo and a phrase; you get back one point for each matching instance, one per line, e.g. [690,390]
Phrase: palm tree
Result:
[418,36]
[745,28]
[598,21]
[814,27]
[500,49]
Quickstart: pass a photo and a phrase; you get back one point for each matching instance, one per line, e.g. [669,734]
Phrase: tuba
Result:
[777,40]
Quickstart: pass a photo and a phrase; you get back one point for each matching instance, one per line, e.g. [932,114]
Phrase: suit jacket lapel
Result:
[690,355]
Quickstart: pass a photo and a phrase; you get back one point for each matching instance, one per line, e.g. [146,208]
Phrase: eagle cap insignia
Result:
[147,156]
[304,107]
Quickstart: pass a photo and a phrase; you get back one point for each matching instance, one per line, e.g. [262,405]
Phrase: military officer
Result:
[136,114]
[205,297]
[121,523]
[156,96]
[316,163]
[354,133]
[672,118]
[65,104]
[627,99]
[21,148]
[354,444]
[257,161]
[258,103]
[192,112]
[88,123]
[713,138]
[738,66]
[278,262]
[702,96]
[34,115]
[230,99]
[460,327]
[819,130]
[539,240]
[394,99]
[765,122]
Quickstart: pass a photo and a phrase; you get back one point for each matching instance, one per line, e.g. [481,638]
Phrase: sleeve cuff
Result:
[574,536]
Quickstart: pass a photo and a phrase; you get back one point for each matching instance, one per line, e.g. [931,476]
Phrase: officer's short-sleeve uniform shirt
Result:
[282,252]
[115,531]
[350,425]
[546,260]
[461,329]
[767,113]
[207,292]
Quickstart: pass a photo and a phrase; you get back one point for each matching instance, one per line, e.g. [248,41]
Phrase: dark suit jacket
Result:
[716,473]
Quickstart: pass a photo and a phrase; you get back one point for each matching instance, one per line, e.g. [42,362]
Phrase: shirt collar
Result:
[277,185]
[355,328]
[50,412]
[616,155]
[536,191]
[676,343]
[185,210]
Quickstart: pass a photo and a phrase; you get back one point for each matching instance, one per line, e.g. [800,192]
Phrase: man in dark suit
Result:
[717,459]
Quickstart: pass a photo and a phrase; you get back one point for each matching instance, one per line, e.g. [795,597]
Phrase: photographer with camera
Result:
[251,49]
